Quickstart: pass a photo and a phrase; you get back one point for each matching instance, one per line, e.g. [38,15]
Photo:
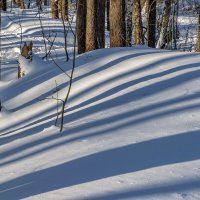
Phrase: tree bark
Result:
[45,3]
[151,23]
[54,9]
[3,5]
[64,9]
[117,25]
[39,4]
[198,33]
[21,4]
[108,14]
[81,25]
[137,23]
[129,22]
[91,25]
[101,23]
[142,3]
[165,22]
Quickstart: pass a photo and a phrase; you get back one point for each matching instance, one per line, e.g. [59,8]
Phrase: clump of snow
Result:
[33,65]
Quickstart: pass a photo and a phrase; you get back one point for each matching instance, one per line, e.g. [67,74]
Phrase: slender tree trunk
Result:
[124,20]
[101,23]
[3,5]
[81,25]
[29,4]
[91,25]
[108,14]
[64,9]
[137,23]
[198,32]
[117,25]
[165,22]
[45,3]
[129,22]
[21,4]
[54,9]
[39,4]
[175,24]
[151,23]
[142,3]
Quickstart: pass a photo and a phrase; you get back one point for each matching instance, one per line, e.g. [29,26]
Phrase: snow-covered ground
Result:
[132,123]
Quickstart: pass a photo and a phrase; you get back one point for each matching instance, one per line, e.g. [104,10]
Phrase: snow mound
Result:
[131,128]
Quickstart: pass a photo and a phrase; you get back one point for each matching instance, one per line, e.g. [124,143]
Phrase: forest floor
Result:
[131,127]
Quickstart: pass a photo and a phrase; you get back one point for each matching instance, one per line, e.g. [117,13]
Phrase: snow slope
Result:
[131,131]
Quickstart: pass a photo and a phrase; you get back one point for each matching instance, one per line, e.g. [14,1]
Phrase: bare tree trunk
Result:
[108,14]
[117,25]
[54,9]
[3,5]
[81,25]
[137,23]
[175,24]
[198,32]
[124,19]
[101,23]
[39,4]
[165,22]
[91,25]
[142,3]
[45,3]
[151,22]
[64,9]
[129,22]
[21,4]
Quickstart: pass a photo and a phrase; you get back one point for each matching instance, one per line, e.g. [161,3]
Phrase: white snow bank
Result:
[131,128]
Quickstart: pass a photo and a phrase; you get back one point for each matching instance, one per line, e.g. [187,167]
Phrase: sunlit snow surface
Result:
[132,125]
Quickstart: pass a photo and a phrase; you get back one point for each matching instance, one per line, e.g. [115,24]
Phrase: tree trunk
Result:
[101,23]
[198,32]
[151,23]
[81,25]
[165,22]
[124,20]
[117,25]
[21,4]
[108,14]
[129,22]
[3,5]
[45,3]
[54,9]
[91,25]
[137,23]
[39,4]
[142,3]
[64,9]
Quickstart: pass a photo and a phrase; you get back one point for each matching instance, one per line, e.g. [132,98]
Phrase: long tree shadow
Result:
[178,148]
[27,83]
[135,95]
[134,71]
[128,84]
[122,100]
[30,82]
[90,134]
